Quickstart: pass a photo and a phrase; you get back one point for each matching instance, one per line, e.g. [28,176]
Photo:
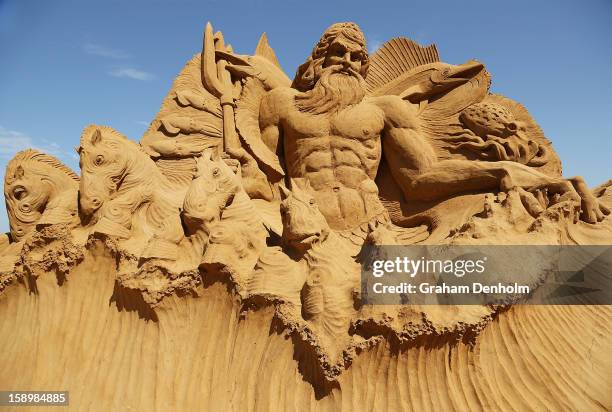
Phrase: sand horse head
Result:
[111,164]
[212,190]
[39,190]
[303,223]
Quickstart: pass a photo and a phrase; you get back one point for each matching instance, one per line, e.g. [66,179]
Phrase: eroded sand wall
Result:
[201,354]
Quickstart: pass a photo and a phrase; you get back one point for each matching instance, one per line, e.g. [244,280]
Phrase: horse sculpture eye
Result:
[99,160]
[216,171]
[19,192]
[311,202]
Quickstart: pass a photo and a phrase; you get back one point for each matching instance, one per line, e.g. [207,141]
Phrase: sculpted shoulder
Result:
[398,113]
[277,102]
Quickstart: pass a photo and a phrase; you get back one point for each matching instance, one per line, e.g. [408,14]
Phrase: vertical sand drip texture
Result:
[201,354]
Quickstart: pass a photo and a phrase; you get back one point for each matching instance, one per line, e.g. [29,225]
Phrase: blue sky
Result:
[66,64]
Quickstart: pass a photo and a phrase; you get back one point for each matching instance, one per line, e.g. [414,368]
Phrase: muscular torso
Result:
[339,154]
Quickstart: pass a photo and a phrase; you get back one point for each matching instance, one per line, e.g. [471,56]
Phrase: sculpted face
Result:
[212,190]
[347,54]
[26,196]
[341,49]
[338,77]
[103,167]
[303,224]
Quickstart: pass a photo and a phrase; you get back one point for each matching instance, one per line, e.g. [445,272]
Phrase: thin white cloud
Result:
[143,123]
[373,43]
[422,38]
[12,141]
[131,73]
[103,51]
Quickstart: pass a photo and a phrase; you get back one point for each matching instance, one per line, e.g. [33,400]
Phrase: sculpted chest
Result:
[362,122]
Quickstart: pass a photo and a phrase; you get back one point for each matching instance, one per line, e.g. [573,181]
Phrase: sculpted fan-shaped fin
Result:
[263,49]
[194,118]
[395,57]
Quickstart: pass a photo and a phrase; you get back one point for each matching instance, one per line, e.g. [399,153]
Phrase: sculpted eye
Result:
[338,51]
[216,171]
[99,160]
[311,202]
[19,192]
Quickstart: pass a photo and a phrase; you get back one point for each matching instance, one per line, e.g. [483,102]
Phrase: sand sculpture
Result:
[263,189]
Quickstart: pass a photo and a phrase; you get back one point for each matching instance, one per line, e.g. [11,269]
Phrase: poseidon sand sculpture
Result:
[213,265]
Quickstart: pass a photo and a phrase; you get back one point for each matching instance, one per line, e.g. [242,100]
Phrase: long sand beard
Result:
[334,91]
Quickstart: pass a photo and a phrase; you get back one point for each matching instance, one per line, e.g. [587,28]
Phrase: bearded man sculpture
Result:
[269,188]
[330,132]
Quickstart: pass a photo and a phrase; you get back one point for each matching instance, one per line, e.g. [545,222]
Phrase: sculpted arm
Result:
[269,121]
[414,164]
[421,176]
[254,180]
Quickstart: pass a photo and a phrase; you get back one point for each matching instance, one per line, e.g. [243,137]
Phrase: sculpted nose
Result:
[346,60]
[89,204]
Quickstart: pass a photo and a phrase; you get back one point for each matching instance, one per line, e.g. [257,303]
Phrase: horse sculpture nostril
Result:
[88,205]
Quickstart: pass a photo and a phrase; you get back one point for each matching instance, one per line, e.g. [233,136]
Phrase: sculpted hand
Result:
[254,181]
[540,197]
[259,67]
[592,211]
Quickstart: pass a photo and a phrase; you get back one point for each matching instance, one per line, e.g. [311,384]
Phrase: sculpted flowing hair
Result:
[307,74]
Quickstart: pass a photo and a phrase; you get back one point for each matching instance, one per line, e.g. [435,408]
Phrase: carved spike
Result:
[19,172]
[284,192]
[208,65]
[263,49]
[395,57]
[300,183]
[96,137]
[207,155]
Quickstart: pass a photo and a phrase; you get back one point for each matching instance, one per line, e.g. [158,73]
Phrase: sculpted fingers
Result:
[593,211]
[232,58]
[241,71]
[245,159]
[231,162]
[590,212]
[533,205]
[238,153]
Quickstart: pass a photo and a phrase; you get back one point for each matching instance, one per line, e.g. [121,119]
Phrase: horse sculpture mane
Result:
[109,132]
[31,155]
